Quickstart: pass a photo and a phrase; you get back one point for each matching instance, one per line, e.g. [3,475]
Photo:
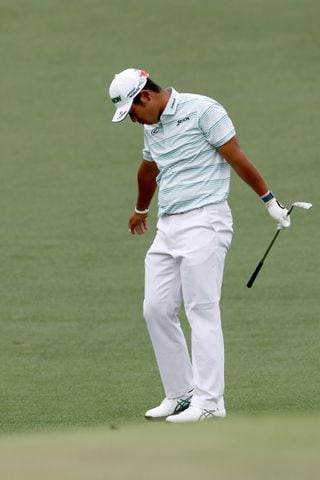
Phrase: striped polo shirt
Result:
[184,145]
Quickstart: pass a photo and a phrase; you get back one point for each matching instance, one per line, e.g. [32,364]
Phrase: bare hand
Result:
[138,223]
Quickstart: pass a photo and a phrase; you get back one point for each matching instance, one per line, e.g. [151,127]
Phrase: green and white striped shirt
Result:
[184,145]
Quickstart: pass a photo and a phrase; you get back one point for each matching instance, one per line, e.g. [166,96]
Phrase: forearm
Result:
[147,184]
[238,160]
[251,175]
[233,154]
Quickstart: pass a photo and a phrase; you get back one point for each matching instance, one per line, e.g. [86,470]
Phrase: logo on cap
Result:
[116,99]
[133,92]
[122,113]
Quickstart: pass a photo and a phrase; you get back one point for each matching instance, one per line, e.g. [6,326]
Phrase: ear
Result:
[145,95]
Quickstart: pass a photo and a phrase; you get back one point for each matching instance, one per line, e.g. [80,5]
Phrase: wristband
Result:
[267,197]
[141,212]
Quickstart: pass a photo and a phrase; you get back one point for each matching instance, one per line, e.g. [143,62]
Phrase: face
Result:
[146,112]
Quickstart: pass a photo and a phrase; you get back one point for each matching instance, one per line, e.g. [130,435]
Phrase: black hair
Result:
[150,85]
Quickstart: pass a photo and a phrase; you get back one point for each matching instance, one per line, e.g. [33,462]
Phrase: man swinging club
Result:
[189,145]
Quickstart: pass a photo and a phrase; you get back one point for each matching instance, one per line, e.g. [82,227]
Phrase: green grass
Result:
[241,447]
[74,350]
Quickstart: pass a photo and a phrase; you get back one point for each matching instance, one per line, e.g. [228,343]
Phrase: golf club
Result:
[304,205]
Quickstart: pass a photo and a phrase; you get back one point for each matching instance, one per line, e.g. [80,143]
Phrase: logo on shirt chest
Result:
[182,120]
[156,129]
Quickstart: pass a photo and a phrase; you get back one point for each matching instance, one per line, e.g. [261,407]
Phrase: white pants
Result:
[185,262]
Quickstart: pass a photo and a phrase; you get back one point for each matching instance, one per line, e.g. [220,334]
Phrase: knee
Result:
[152,310]
[159,312]
[207,312]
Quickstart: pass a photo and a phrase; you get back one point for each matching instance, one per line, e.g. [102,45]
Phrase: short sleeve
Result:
[216,125]
[146,155]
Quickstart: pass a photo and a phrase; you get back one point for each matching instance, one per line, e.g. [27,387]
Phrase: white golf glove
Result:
[276,210]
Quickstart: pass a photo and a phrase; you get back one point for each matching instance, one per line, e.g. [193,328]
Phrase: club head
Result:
[304,205]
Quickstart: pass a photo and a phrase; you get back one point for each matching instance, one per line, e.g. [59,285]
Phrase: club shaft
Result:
[270,246]
[290,210]
[254,275]
[260,264]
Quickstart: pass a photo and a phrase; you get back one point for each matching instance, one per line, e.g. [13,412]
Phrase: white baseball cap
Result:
[124,87]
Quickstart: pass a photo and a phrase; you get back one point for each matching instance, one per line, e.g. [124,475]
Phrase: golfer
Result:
[189,146]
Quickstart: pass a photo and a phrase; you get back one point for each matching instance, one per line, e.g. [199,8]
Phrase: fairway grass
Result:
[239,448]
[74,348]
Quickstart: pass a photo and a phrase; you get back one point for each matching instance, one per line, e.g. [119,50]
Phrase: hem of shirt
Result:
[162,214]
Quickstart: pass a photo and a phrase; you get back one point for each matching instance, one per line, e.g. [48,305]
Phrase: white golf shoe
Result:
[169,406]
[195,414]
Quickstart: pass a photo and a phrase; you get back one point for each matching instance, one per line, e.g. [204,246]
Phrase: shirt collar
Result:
[172,104]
